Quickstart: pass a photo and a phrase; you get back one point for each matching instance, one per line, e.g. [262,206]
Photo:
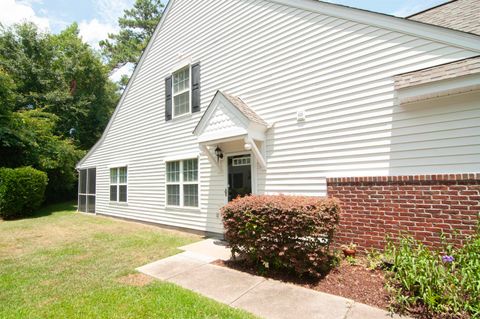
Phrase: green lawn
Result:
[61,264]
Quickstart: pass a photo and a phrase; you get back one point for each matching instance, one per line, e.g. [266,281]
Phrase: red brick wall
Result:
[423,205]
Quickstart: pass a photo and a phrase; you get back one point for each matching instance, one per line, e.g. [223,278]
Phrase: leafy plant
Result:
[375,259]
[351,260]
[446,282]
[282,232]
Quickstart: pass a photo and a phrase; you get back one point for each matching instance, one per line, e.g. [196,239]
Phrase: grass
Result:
[61,264]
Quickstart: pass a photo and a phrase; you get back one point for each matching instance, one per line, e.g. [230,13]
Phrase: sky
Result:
[97,18]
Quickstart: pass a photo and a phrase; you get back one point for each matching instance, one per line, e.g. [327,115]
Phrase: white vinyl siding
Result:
[279,59]
[181,91]
[182,183]
[118,184]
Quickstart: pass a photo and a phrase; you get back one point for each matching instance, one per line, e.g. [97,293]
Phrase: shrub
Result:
[445,283]
[282,232]
[22,191]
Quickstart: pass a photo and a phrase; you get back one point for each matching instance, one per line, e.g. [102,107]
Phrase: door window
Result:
[239,176]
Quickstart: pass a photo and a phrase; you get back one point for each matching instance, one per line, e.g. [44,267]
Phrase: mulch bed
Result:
[350,281]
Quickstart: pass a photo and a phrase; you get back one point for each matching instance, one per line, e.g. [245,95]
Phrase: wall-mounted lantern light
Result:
[219,153]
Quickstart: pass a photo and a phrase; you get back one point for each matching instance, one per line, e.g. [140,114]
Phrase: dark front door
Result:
[239,176]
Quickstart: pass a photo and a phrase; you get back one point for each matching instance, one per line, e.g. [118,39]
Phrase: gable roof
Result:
[419,29]
[439,72]
[244,108]
[463,15]
[248,114]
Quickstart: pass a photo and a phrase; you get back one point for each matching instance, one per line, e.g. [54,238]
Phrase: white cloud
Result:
[127,69]
[110,10]
[93,31]
[12,11]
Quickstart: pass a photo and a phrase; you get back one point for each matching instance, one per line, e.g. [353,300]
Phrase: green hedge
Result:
[282,232]
[22,191]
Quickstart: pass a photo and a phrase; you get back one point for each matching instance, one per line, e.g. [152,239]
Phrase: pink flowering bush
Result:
[282,232]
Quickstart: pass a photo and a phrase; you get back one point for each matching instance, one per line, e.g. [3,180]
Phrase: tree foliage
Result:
[60,75]
[136,28]
[55,101]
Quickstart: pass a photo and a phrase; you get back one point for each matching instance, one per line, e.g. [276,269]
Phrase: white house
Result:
[274,96]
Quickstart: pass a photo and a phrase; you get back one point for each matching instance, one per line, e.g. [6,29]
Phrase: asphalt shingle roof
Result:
[462,15]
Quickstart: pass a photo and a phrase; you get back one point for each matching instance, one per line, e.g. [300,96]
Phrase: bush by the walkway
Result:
[282,232]
[22,191]
[442,284]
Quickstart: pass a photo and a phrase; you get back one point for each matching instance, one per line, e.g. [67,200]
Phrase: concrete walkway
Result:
[263,297]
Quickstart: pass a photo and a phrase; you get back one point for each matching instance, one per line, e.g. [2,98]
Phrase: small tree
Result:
[136,28]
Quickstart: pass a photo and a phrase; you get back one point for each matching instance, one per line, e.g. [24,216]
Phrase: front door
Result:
[239,176]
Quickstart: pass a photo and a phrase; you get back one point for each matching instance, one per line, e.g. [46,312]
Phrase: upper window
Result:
[181,91]
[118,184]
[182,183]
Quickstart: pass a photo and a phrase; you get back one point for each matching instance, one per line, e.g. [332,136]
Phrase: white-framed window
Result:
[182,183]
[118,184]
[181,91]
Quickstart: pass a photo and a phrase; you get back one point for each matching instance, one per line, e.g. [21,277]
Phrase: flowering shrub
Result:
[282,232]
[445,283]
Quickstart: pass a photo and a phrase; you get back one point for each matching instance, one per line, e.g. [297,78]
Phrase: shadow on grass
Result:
[50,209]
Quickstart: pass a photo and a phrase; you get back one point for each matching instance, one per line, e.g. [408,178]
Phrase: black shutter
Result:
[168,98]
[195,87]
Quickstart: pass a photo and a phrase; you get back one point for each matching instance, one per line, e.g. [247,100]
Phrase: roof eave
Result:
[420,29]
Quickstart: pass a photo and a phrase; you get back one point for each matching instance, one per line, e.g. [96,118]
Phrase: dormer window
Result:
[181,91]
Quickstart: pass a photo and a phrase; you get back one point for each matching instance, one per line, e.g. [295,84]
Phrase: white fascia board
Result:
[228,134]
[223,140]
[129,84]
[424,30]
[437,89]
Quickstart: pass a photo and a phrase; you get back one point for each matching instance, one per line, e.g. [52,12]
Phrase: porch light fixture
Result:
[219,153]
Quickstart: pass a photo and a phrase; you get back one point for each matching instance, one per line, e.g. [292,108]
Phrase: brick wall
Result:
[423,205]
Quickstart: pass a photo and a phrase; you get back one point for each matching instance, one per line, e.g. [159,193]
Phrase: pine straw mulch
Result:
[355,282]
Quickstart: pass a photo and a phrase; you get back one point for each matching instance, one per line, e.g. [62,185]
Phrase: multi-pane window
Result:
[182,183]
[181,91]
[118,184]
